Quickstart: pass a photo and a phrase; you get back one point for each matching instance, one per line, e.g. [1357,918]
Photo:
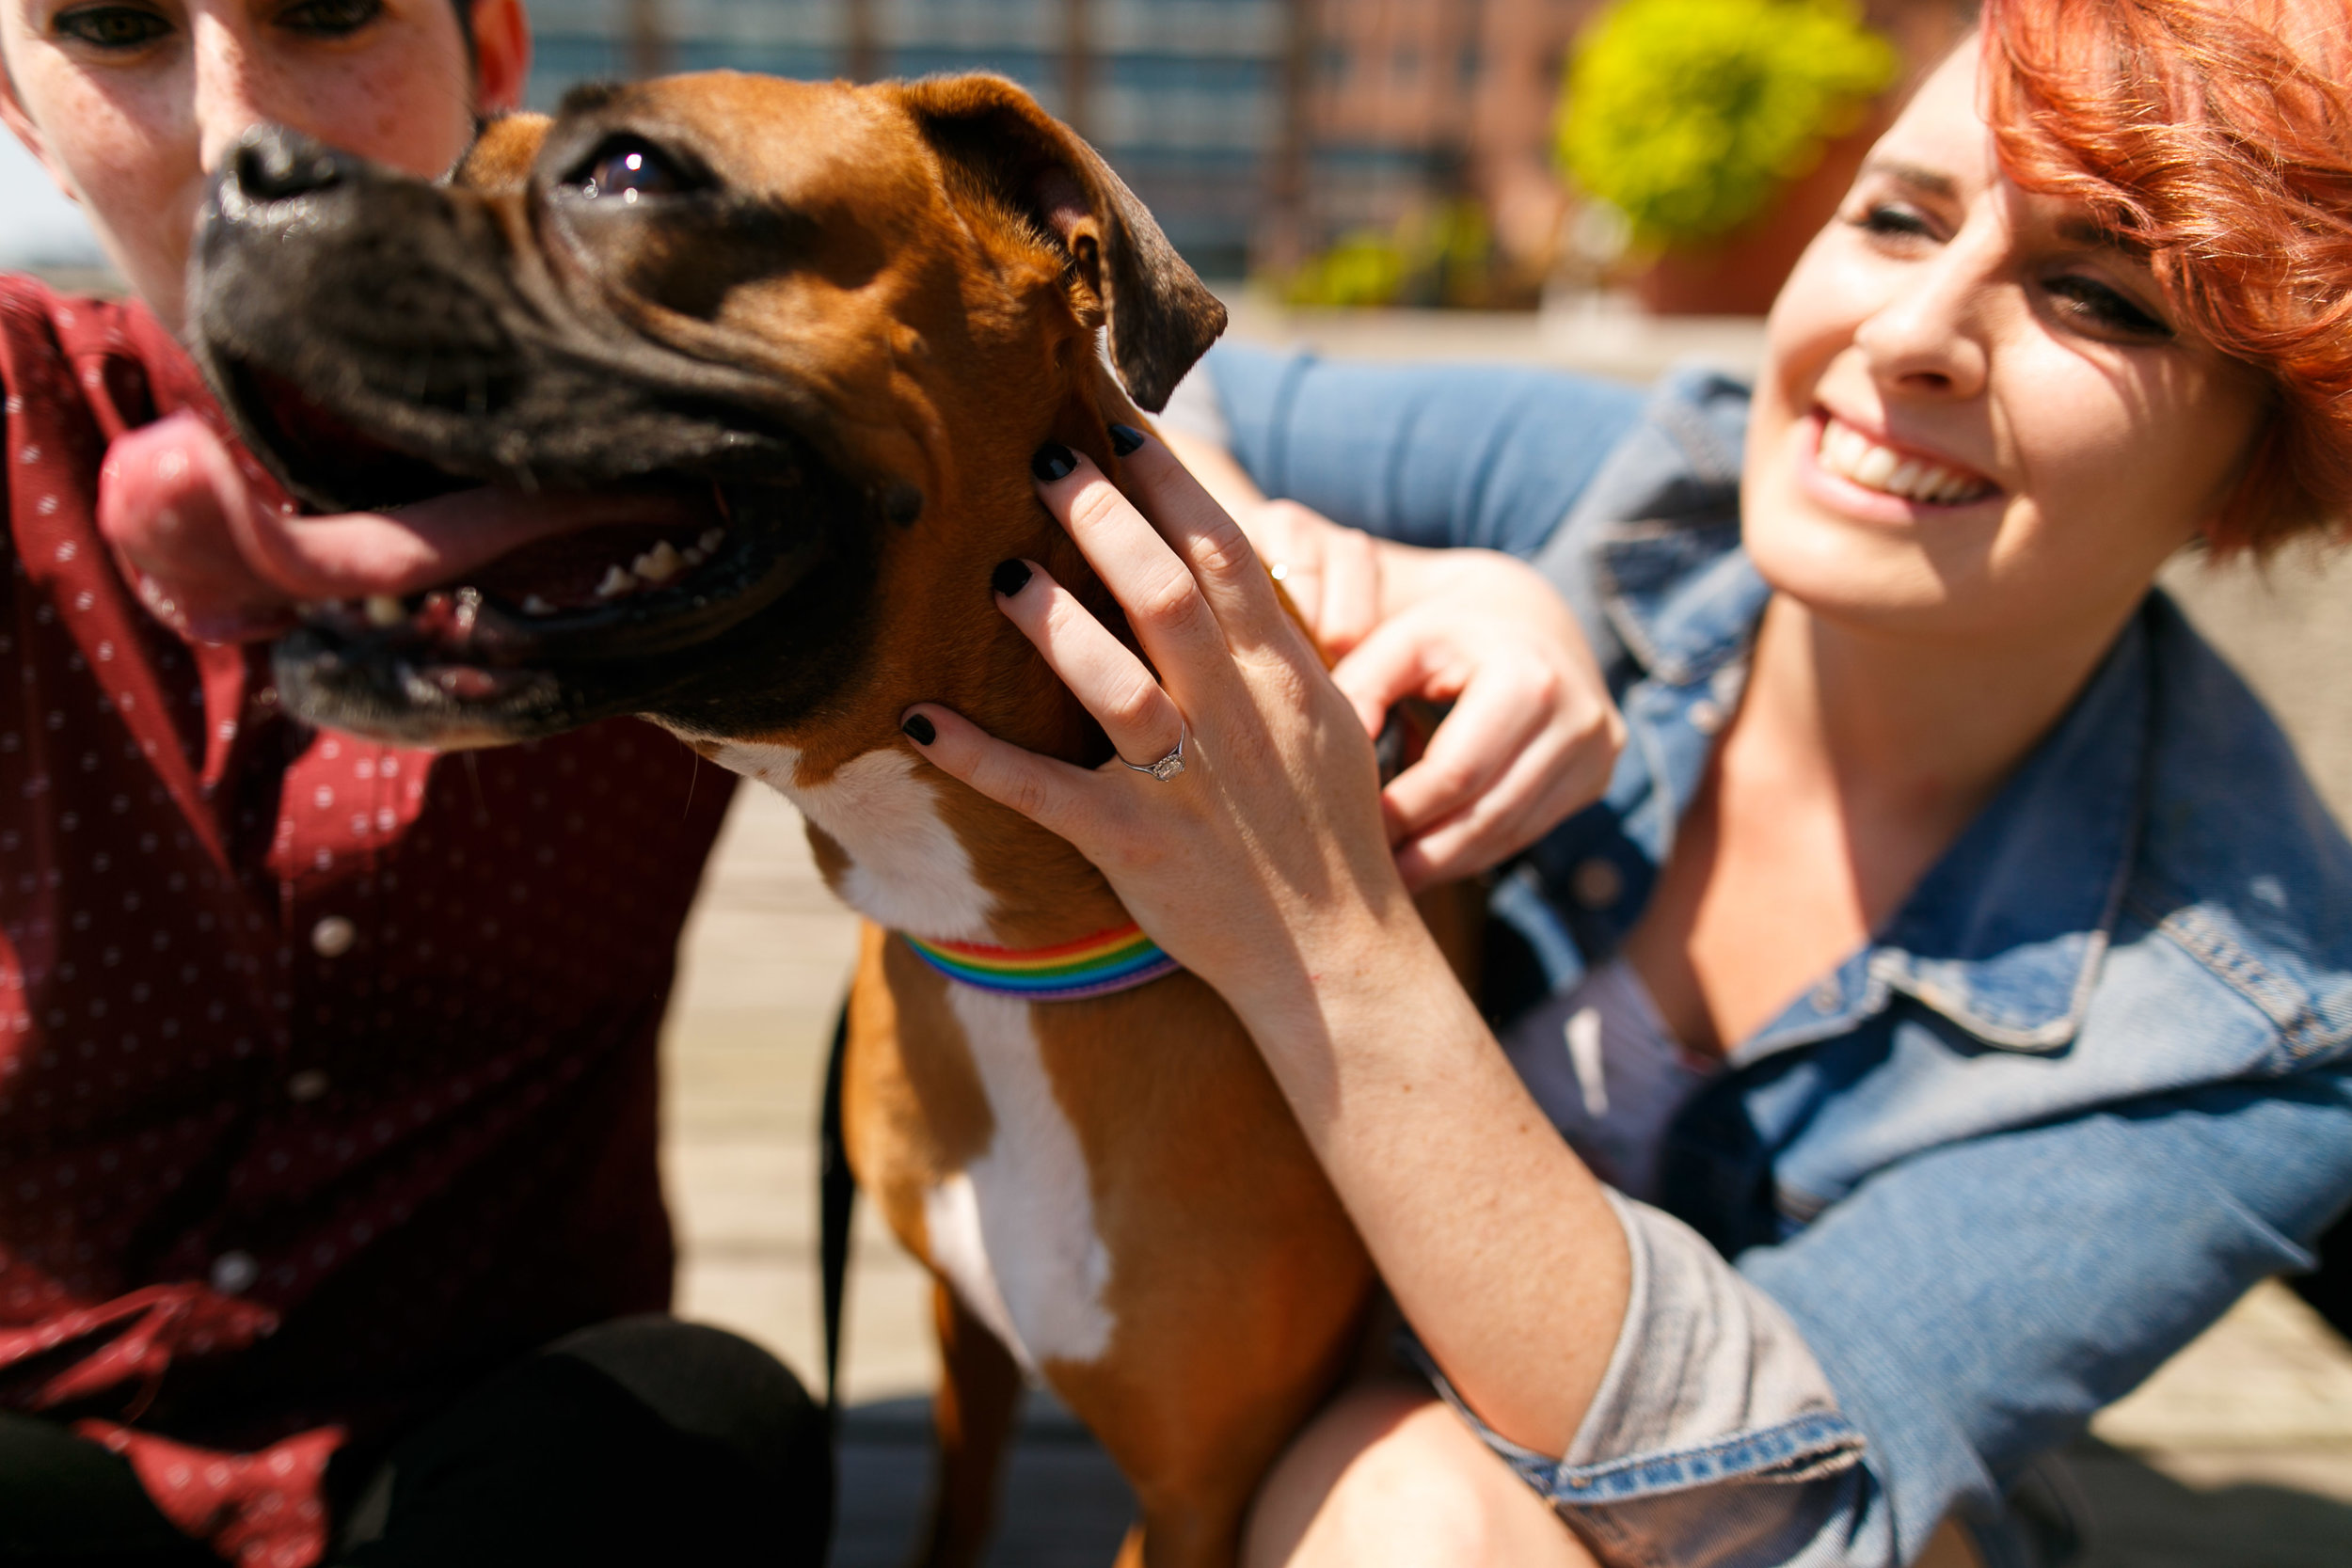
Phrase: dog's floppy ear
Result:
[1162,318]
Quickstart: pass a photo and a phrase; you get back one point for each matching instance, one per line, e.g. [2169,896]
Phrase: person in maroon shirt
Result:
[327,1075]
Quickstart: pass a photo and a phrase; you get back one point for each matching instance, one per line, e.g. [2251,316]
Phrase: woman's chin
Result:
[1855,553]
[1848,570]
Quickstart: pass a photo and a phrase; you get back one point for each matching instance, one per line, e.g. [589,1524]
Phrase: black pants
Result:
[636,1442]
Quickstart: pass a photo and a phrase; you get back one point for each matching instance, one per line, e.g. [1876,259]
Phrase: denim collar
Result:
[2004,936]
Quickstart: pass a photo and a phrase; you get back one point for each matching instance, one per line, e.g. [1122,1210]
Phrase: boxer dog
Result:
[820,329]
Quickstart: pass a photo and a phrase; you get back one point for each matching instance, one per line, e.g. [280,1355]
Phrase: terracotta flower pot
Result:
[1741,274]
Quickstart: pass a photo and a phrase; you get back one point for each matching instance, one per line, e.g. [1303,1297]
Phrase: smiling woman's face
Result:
[131,103]
[1975,420]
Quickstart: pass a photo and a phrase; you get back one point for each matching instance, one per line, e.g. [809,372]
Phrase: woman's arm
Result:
[1265,868]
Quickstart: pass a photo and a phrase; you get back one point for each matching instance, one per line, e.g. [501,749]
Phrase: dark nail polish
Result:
[1009,577]
[1053,461]
[1125,439]
[918,729]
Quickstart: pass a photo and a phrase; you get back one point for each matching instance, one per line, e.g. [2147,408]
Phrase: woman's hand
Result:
[1265,868]
[1265,863]
[1532,735]
[1331,573]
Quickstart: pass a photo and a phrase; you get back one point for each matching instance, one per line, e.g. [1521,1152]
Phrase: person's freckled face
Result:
[1975,418]
[131,103]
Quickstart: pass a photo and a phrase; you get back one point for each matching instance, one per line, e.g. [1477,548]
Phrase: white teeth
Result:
[1875,469]
[712,538]
[1848,454]
[617,583]
[384,610]
[659,565]
[534,605]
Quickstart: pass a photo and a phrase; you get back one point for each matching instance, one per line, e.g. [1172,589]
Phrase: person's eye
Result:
[118,30]
[329,18]
[2108,309]
[1894,220]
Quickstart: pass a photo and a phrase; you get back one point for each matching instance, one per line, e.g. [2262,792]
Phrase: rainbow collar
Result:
[1106,963]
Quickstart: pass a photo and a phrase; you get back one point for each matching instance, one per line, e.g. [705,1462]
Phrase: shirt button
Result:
[332,938]
[306,1086]
[1706,716]
[1825,998]
[1596,883]
[234,1272]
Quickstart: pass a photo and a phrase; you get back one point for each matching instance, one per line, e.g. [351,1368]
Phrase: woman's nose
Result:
[1926,335]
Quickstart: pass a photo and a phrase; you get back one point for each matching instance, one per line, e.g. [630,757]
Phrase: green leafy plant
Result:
[1437,257]
[1689,115]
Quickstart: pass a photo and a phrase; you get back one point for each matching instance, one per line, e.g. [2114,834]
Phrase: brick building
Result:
[1253,128]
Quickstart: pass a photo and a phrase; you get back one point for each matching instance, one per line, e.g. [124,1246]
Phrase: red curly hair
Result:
[2215,138]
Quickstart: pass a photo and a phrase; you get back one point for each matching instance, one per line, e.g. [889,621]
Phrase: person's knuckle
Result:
[1171,603]
[1026,793]
[1222,551]
[1546,684]
[1132,706]
[1448,778]
[1094,505]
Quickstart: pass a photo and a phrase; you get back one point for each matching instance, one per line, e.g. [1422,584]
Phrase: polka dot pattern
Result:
[324,1064]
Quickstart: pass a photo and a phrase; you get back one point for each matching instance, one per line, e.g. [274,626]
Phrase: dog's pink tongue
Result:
[224,566]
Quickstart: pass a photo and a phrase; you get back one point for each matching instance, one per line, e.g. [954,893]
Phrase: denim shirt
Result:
[2085,1088]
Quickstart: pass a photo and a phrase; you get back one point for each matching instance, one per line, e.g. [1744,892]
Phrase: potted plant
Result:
[1723,132]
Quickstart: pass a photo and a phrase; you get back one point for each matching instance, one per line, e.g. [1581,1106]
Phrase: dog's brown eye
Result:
[630,169]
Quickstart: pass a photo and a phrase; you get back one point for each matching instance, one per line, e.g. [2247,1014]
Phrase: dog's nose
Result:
[273,164]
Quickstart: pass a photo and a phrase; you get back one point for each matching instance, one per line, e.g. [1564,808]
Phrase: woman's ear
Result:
[502,56]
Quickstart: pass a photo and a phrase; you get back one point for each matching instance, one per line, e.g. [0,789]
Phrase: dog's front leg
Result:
[979,1392]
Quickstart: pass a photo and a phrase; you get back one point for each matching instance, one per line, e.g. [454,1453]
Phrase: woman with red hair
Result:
[1941,1011]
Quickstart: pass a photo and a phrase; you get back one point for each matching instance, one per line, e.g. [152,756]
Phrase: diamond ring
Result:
[1168,766]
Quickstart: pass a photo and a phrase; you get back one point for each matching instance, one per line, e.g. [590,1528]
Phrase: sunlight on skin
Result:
[131,104]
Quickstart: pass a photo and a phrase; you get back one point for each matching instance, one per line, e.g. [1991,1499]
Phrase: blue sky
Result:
[35,222]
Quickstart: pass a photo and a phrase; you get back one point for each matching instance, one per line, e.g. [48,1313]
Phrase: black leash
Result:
[836,1200]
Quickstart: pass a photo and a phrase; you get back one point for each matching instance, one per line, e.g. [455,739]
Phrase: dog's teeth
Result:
[659,565]
[617,583]
[534,605]
[710,541]
[693,555]
[384,610]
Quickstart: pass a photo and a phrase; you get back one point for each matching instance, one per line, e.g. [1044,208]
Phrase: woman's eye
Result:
[112,28]
[1892,218]
[630,169]
[332,18]
[2095,303]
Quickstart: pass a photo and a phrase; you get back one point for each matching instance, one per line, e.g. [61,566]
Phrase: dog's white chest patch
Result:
[907,869]
[1013,1231]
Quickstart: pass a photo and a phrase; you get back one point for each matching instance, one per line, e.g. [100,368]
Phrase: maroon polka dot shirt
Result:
[326,1067]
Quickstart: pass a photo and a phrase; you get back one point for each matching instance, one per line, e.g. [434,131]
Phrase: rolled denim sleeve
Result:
[1428,455]
[1976,1304]
[1829,1400]
[1715,1437]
